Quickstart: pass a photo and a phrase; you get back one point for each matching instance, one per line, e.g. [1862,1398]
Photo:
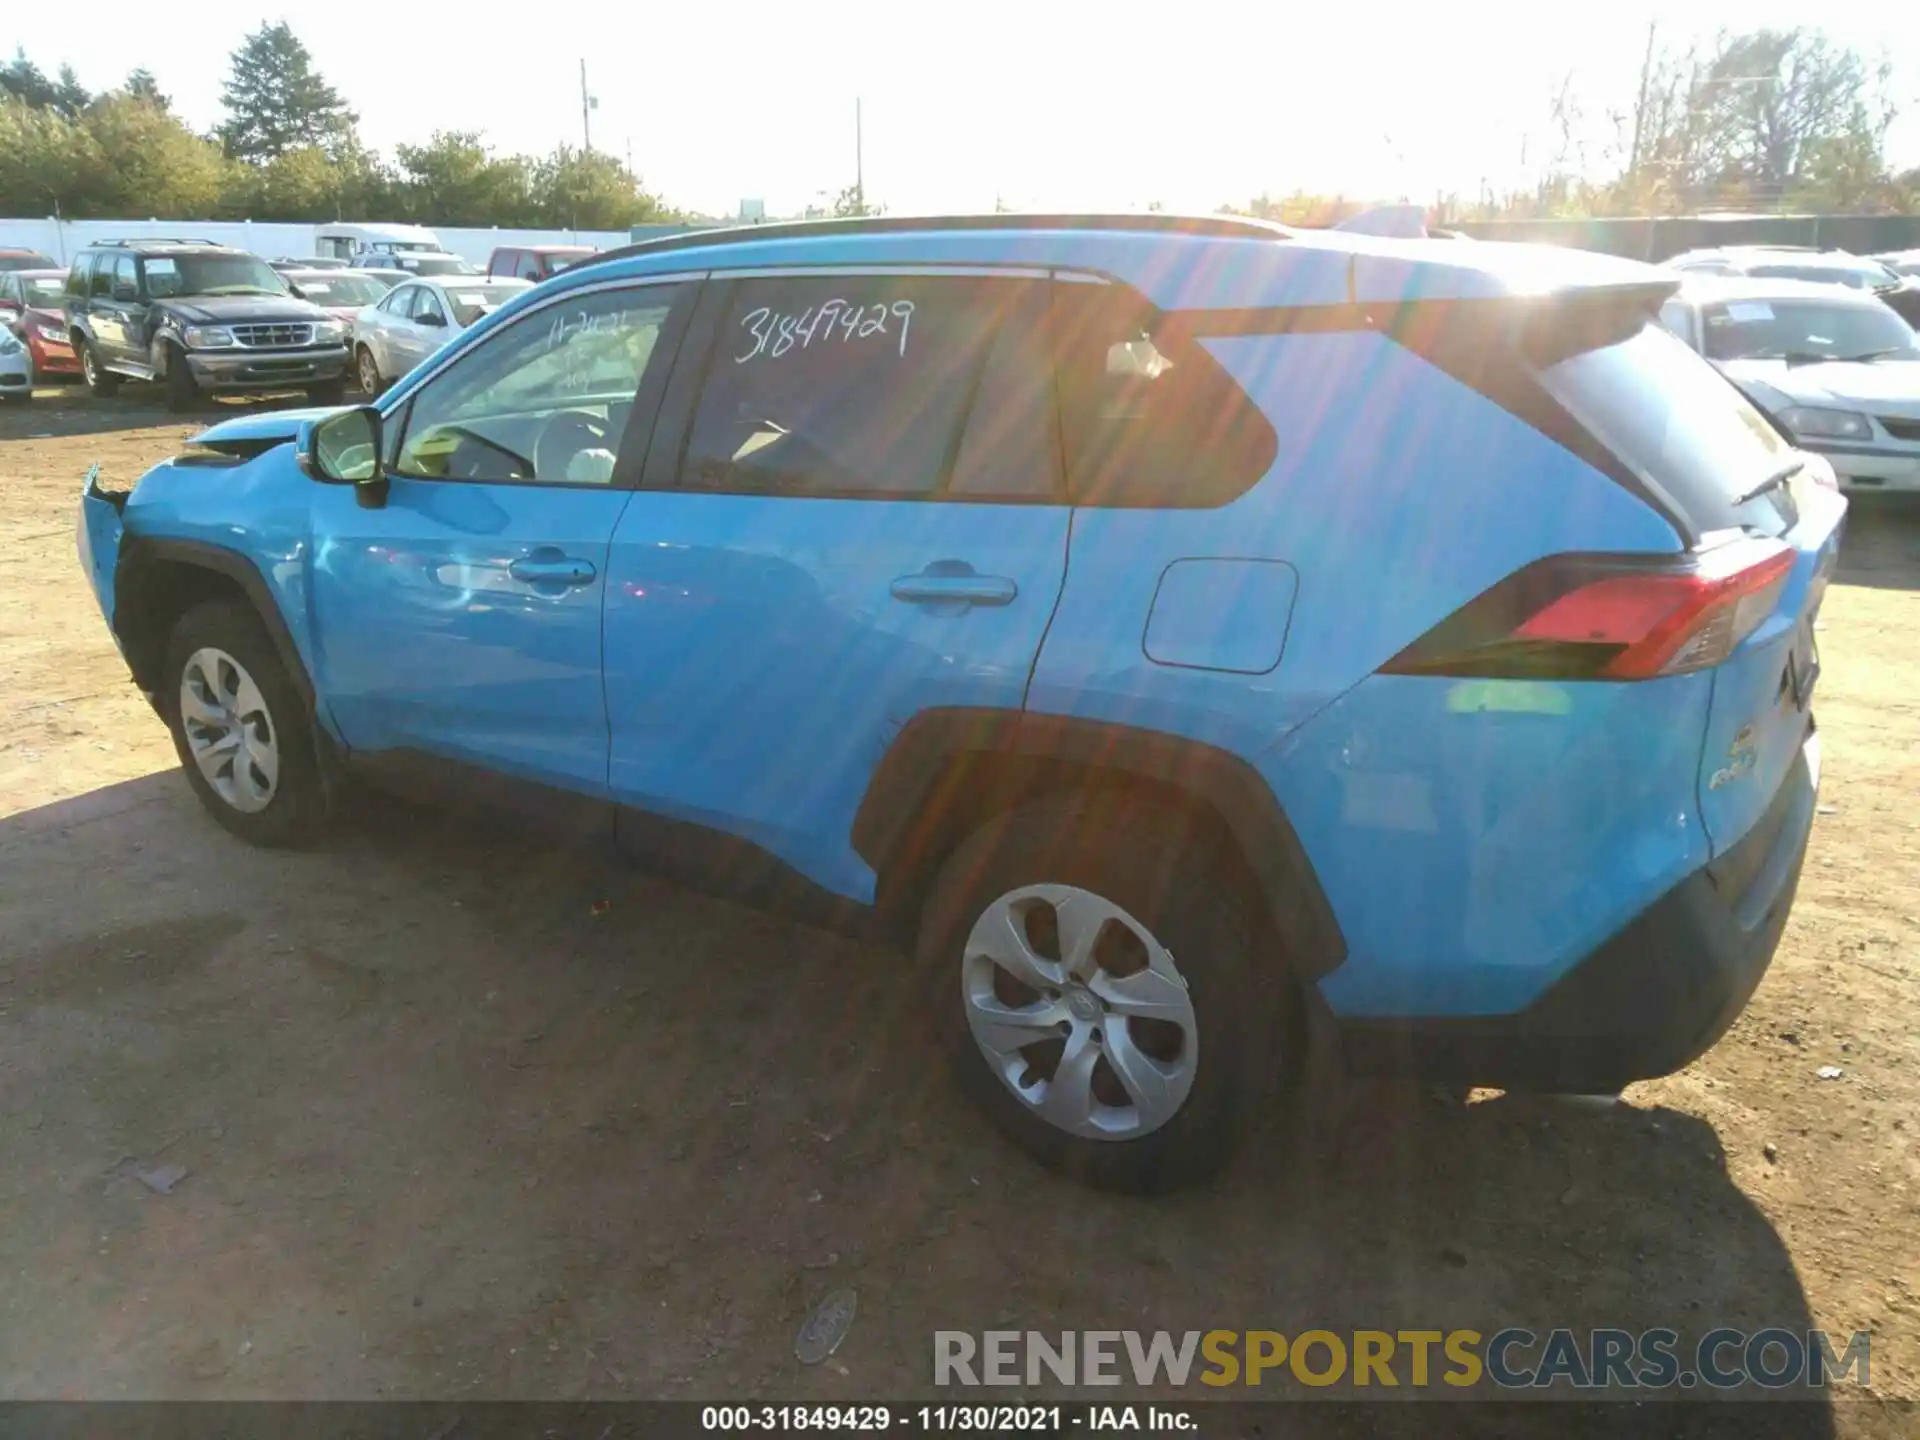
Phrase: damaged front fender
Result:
[98,533]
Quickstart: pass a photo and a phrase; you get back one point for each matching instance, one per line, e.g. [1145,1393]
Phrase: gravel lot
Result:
[448,1132]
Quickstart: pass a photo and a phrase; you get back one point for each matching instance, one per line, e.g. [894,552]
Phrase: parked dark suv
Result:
[198,317]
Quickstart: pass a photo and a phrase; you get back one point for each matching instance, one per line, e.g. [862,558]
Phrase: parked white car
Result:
[416,319]
[16,367]
[1835,367]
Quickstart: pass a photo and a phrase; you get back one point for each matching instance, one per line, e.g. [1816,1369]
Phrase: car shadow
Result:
[442,1078]
[1882,545]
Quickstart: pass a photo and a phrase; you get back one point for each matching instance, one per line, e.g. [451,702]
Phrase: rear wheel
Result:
[100,380]
[1091,972]
[368,371]
[242,733]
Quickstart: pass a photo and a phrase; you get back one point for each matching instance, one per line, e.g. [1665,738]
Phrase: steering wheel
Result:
[564,436]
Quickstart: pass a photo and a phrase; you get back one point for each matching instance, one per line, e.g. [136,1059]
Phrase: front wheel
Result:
[183,393]
[100,380]
[243,736]
[1092,971]
[368,371]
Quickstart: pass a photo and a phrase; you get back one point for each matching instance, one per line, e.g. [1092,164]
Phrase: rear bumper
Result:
[268,369]
[1648,1001]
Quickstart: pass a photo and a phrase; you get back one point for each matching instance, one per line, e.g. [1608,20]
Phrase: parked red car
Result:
[30,307]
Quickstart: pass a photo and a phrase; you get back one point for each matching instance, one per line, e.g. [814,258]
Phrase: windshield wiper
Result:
[1868,355]
[1772,482]
[1806,357]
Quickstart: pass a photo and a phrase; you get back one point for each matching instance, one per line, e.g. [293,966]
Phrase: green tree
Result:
[853,201]
[151,164]
[276,101]
[454,179]
[48,164]
[589,190]
[70,97]
[27,83]
[142,86]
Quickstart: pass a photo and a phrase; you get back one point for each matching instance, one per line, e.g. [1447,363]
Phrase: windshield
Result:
[44,287]
[470,302]
[335,292]
[169,275]
[1804,330]
[1673,417]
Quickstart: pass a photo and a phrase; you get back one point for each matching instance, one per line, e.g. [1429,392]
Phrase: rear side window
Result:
[845,386]
[1669,415]
[1148,419]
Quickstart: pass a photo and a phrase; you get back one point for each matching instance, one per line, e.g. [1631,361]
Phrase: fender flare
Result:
[140,555]
[951,750]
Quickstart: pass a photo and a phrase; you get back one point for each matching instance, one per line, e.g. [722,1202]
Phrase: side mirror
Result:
[344,449]
[432,317]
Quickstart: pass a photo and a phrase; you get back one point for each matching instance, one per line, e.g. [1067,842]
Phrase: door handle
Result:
[547,566]
[954,582]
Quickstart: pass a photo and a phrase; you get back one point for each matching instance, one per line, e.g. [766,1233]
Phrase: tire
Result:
[221,645]
[330,392]
[1136,874]
[100,380]
[183,392]
[367,371]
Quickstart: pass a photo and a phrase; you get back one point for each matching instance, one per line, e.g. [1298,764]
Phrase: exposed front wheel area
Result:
[241,729]
[229,730]
[1076,951]
[1080,1011]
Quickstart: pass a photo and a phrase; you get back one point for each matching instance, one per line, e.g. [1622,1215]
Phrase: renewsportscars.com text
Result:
[1512,1359]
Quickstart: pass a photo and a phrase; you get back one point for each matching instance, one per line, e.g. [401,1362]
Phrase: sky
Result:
[1039,104]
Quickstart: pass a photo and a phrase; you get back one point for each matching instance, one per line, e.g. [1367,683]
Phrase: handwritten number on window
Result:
[773,336]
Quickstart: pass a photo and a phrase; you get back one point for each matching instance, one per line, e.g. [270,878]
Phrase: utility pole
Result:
[1640,110]
[587,104]
[859,163]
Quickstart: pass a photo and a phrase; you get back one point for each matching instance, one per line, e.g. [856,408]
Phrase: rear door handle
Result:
[548,567]
[953,582]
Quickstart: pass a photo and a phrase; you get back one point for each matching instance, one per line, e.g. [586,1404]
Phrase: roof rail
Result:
[1217,226]
[133,240]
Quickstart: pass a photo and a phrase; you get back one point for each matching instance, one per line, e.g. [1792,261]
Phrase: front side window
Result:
[427,307]
[843,386]
[1802,331]
[543,400]
[101,285]
[126,277]
[78,276]
[1677,317]
[399,300]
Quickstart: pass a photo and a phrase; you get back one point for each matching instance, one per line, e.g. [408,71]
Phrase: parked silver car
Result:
[1836,368]
[415,319]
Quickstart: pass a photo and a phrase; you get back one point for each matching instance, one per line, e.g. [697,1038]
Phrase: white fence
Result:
[61,238]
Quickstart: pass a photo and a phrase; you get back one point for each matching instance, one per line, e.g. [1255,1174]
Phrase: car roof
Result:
[544,249]
[44,274]
[20,250]
[1715,289]
[164,247]
[1177,262]
[378,230]
[1783,255]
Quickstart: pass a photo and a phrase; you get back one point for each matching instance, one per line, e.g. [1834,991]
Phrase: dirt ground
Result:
[449,1132]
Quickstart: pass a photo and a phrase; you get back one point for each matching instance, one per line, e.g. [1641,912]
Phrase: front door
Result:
[852,512]
[461,620]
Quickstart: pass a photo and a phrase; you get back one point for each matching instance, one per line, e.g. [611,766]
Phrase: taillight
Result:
[1596,617]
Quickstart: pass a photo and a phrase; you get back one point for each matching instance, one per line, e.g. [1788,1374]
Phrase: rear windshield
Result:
[470,302]
[1671,416]
[1803,331]
[1854,277]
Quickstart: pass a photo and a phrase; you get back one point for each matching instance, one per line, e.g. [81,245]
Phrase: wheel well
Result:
[974,788]
[948,770]
[149,603]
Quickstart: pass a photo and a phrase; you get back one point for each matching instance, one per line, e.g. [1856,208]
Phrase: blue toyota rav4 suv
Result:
[1168,628]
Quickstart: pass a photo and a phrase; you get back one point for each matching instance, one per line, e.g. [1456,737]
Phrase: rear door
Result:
[853,511]
[1697,438]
